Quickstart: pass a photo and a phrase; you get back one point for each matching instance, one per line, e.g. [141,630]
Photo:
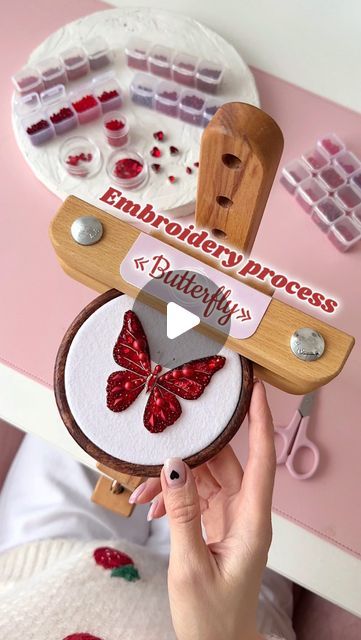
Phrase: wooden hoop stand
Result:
[240,152]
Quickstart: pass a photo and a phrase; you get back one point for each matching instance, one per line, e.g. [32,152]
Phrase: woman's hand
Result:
[214,585]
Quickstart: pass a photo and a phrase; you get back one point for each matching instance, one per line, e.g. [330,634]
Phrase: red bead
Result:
[108,95]
[196,164]
[177,373]
[188,170]
[114,125]
[172,179]
[138,344]
[88,102]
[187,371]
[155,167]
[63,114]
[74,160]
[158,135]
[143,357]
[157,368]
[155,152]
[160,402]
[127,168]
[128,385]
[173,150]
[38,126]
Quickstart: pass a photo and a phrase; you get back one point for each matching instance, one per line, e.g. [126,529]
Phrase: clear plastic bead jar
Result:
[116,129]
[80,157]
[127,168]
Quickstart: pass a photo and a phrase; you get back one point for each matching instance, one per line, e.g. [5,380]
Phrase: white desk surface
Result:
[271,36]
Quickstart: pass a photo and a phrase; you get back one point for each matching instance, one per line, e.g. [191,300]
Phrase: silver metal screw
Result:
[307,344]
[86,230]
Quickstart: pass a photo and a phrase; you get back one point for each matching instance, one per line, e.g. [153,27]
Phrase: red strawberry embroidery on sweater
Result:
[111,558]
[121,565]
[82,636]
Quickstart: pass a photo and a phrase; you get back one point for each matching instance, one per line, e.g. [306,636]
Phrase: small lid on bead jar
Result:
[127,168]
[50,68]
[73,58]
[160,55]
[27,80]
[54,94]
[80,157]
[27,104]
[185,64]
[137,48]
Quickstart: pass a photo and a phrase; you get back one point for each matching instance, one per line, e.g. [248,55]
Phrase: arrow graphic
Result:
[245,315]
[140,262]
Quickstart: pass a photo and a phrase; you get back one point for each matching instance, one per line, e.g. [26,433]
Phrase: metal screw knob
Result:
[307,344]
[86,230]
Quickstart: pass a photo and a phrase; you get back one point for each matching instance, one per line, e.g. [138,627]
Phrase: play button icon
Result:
[179,320]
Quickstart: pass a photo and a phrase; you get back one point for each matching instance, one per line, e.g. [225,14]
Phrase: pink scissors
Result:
[294,438]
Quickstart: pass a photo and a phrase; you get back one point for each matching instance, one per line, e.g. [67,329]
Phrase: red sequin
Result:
[82,157]
[155,152]
[38,126]
[158,135]
[188,170]
[127,168]
[172,179]
[88,102]
[155,167]
[173,150]
[110,558]
[108,95]
[196,164]
[114,125]
[63,114]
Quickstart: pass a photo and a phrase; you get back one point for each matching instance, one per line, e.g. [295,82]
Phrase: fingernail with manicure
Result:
[152,509]
[175,472]
[136,493]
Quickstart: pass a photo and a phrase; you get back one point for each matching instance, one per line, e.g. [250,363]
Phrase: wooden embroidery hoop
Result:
[240,152]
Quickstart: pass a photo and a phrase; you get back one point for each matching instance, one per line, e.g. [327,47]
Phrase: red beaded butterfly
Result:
[187,381]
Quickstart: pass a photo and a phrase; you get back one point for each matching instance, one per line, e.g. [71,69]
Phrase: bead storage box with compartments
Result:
[326,182]
[81,73]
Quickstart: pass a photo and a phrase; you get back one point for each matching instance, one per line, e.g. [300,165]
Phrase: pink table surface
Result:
[38,301]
